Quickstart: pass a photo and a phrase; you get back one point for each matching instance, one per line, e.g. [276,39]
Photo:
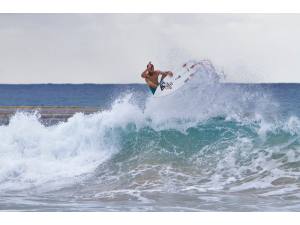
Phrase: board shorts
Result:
[153,90]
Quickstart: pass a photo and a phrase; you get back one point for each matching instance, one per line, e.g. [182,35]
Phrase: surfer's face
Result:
[150,68]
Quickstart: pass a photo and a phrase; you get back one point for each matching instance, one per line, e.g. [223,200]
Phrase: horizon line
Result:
[138,83]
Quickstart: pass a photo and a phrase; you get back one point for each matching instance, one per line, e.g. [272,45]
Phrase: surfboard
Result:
[180,77]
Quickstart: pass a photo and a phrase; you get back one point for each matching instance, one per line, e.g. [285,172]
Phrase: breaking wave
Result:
[206,138]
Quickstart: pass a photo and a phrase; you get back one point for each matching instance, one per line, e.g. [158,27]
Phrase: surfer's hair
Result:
[151,65]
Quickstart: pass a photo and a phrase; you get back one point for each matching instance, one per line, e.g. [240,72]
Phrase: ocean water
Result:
[210,146]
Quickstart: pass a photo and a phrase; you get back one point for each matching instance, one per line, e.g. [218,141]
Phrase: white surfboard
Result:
[180,77]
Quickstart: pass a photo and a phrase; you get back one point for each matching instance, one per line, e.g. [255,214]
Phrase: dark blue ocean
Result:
[84,95]
[210,146]
[102,95]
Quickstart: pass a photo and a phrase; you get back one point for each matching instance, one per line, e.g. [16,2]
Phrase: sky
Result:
[115,48]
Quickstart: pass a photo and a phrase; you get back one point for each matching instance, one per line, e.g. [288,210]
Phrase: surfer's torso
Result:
[152,78]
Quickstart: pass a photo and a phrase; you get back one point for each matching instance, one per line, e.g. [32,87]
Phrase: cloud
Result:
[114,48]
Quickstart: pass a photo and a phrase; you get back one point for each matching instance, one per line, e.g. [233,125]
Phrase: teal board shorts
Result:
[152,89]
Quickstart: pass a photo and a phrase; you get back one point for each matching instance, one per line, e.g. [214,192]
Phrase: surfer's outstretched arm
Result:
[164,74]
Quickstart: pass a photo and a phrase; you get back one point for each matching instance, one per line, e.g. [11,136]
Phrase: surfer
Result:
[151,76]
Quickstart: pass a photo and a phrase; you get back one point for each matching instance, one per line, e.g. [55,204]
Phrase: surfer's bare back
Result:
[151,76]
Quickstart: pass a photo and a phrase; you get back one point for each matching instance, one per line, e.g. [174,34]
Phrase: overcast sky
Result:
[115,48]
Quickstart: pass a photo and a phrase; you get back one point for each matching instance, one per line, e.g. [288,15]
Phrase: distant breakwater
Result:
[49,115]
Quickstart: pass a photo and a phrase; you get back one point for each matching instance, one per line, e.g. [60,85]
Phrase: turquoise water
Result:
[209,147]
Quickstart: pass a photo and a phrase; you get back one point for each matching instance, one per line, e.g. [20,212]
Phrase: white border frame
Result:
[150,6]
